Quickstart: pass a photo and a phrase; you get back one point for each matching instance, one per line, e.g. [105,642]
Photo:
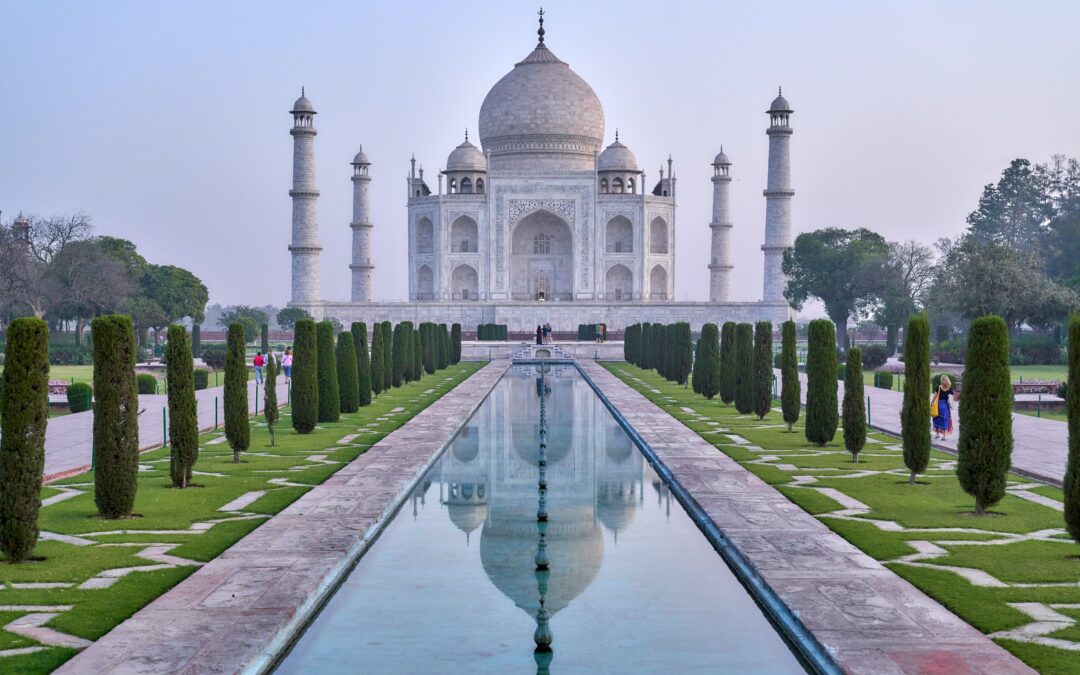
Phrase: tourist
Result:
[286,364]
[258,362]
[941,410]
[539,335]
[547,333]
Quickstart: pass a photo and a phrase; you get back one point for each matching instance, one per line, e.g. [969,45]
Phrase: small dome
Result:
[466,157]
[617,157]
[360,157]
[779,105]
[302,104]
[721,159]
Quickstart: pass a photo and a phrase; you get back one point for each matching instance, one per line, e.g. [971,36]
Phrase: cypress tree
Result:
[1071,483]
[709,355]
[682,354]
[347,373]
[644,354]
[397,375]
[822,417]
[629,339]
[264,341]
[442,356]
[183,412]
[270,405]
[237,425]
[428,340]
[377,362]
[329,388]
[407,336]
[116,416]
[417,356]
[388,355]
[363,363]
[455,339]
[305,379]
[791,392]
[763,368]
[727,362]
[744,368]
[659,348]
[854,405]
[196,339]
[695,372]
[986,441]
[915,413]
[23,417]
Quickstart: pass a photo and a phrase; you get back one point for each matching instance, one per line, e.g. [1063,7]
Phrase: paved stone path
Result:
[241,609]
[1040,446]
[69,439]
[869,619]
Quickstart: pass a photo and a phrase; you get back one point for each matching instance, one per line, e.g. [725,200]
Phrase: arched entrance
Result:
[619,283]
[542,258]
[463,283]
[425,283]
[658,283]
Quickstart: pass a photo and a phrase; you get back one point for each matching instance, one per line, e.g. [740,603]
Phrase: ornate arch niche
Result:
[619,235]
[542,258]
[464,235]
[619,283]
[425,283]
[658,283]
[425,236]
[464,283]
[658,235]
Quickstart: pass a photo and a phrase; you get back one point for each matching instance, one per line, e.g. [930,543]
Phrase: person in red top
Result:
[259,361]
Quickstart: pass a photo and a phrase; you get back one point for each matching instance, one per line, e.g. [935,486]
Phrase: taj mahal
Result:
[541,222]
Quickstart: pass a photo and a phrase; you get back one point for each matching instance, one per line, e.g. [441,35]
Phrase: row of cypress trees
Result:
[666,348]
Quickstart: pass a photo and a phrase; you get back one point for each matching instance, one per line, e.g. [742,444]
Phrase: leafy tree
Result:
[270,404]
[363,363]
[1061,245]
[727,362]
[682,354]
[1071,483]
[763,369]
[417,356]
[791,388]
[709,358]
[23,416]
[905,282]
[237,425]
[183,412]
[842,268]
[250,318]
[986,439]
[915,412]
[744,368]
[116,411]
[348,378]
[288,317]
[329,390]
[305,380]
[214,357]
[821,404]
[455,337]
[87,281]
[854,405]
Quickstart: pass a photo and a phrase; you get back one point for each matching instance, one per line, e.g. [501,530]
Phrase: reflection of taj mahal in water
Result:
[541,212]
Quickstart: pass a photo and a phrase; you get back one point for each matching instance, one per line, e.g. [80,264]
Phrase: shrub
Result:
[883,379]
[822,417]
[407,340]
[659,348]
[214,357]
[854,405]
[455,340]
[1063,390]
[70,355]
[915,413]
[417,356]
[23,416]
[329,390]
[841,371]
[400,352]
[985,446]
[387,355]
[237,425]
[363,363]
[744,368]
[1036,351]
[1071,483]
[709,357]
[763,369]
[682,352]
[147,384]
[791,388]
[427,344]
[201,378]
[80,397]
[183,411]
[442,344]
[874,356]
[270,404]
[347,373]
[305,387]
[630,336]
[116,416]
[377,362]
[727,362]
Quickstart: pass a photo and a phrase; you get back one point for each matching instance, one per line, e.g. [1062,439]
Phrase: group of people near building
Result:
[543,334]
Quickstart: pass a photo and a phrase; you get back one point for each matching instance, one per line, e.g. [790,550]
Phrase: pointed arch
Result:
[425,283]
[658,283]
[425,236]
[658,235]
[464,235]
[619,235]
[464,283]
[619,283]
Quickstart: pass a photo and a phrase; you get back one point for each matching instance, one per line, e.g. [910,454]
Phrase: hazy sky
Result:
[169,124]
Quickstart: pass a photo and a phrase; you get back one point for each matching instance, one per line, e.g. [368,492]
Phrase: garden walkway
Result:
[69,439]
[1040,446]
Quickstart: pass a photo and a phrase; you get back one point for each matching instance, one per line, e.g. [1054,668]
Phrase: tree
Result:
[23,416]
[791,388]
[305,381]
[348,377]
[744,368]
[763,369]
[842,268]
[264,338]
[709,357]
[1015,211]
[644,355]
[822,417]
[87,282]
[287,317]
[417,356]
[695,373]
[1071,483]
[455,338]
[659,348]
[196,339]
[427,343]
[630,342]
[727,362]
[329,389]
[854,405]
[915,412]
[442,355]
[682,352]
[905,282]
[407,339]
[400,352]
[250,318]
[377,361]
[270,404]
[116,416]
[183,411]
[387,355]
[237,425]
[363,363]
[985,446]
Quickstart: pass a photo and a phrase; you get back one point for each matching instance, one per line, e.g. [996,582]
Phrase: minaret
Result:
[305,246]
[720,267]
[778,194]
[361,230]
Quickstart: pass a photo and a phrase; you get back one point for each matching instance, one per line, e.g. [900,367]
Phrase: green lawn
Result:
[167,516]
[1058,415]
[1018,555]
[1026,373]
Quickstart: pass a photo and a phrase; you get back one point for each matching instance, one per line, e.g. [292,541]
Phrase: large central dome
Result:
[541,109]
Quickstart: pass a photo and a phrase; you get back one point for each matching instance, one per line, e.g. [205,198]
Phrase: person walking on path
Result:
[258,362]
[941,410]
[286,364]
[539,335]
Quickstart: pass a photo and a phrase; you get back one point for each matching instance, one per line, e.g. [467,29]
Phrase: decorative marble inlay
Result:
[560,207]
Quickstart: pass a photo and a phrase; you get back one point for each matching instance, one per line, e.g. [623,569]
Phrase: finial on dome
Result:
[616,134]
[780,90]
[540,32]
[302,91]
[466,134]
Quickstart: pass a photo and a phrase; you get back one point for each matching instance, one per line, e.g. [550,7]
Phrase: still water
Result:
[452,584]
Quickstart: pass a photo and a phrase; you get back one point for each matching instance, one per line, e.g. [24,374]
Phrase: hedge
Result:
[822,417]
[491,332]
[183,411]
[116,416]
[883,379]
[305,387]
[201,378]
[329,390]
[146,384]
[80,397]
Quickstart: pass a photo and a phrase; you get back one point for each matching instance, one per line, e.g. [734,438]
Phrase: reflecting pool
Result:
[452,584]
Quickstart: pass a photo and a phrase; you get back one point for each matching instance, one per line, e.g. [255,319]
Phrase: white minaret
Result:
[361,230]
[720,267]
[778,194]
[305,246]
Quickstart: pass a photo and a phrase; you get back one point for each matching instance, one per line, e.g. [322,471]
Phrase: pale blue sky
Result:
[168,122]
